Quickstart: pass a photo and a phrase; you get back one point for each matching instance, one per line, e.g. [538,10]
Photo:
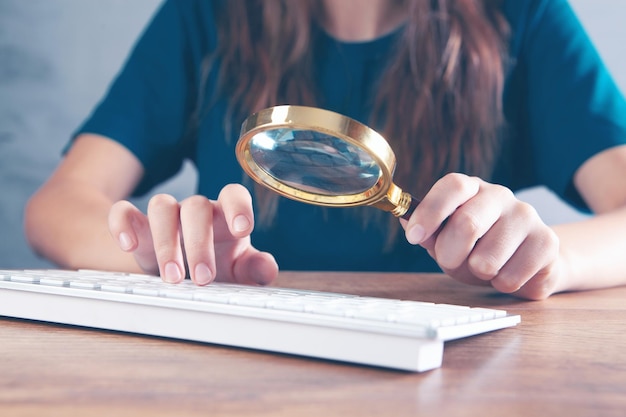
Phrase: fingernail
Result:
[172,273]
[241,223]
[415,234]
[126,242]
[202,274]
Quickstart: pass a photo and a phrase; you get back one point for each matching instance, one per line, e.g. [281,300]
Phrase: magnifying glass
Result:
[321,157]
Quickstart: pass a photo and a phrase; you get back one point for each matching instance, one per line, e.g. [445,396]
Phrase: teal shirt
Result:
[561,106]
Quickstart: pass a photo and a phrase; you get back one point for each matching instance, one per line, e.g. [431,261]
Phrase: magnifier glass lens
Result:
[314,162]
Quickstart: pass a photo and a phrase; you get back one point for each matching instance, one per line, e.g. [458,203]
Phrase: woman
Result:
[477,98]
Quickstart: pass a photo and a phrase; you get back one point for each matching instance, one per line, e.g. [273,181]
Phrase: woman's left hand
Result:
[480,233]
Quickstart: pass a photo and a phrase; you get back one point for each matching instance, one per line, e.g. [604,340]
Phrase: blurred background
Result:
[57,58]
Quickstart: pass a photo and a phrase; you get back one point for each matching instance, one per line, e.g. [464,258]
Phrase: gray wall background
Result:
[57,58]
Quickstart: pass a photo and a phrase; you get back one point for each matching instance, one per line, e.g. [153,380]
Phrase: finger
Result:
[469,223]
[460,273]
[253,267]
[121,218]
[196,219]
[542,284]
[503,240]
[164,218]
[131,229]
[464,275]
[442,200]
[536,252]
[236,204]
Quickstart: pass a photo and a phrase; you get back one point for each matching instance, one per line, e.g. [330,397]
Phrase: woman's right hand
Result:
[206,239]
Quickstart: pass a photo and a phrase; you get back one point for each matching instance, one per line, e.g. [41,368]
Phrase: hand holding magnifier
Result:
[320,157]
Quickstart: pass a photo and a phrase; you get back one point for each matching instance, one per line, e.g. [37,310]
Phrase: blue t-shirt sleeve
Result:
[575,108]
[147,106]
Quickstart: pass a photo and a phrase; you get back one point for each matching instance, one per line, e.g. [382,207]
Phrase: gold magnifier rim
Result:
[323,121]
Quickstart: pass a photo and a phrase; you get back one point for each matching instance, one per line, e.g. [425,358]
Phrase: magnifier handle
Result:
[411,207]
[401,204]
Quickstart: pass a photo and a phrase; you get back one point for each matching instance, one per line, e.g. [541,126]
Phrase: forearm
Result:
[67,224]
[594,251]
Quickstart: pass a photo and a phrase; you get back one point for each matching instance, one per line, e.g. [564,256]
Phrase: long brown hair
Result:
[438,102]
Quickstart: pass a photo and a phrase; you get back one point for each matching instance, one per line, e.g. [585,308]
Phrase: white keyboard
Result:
[405,335]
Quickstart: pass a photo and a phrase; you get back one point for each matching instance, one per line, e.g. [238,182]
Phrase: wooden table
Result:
[566,358]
